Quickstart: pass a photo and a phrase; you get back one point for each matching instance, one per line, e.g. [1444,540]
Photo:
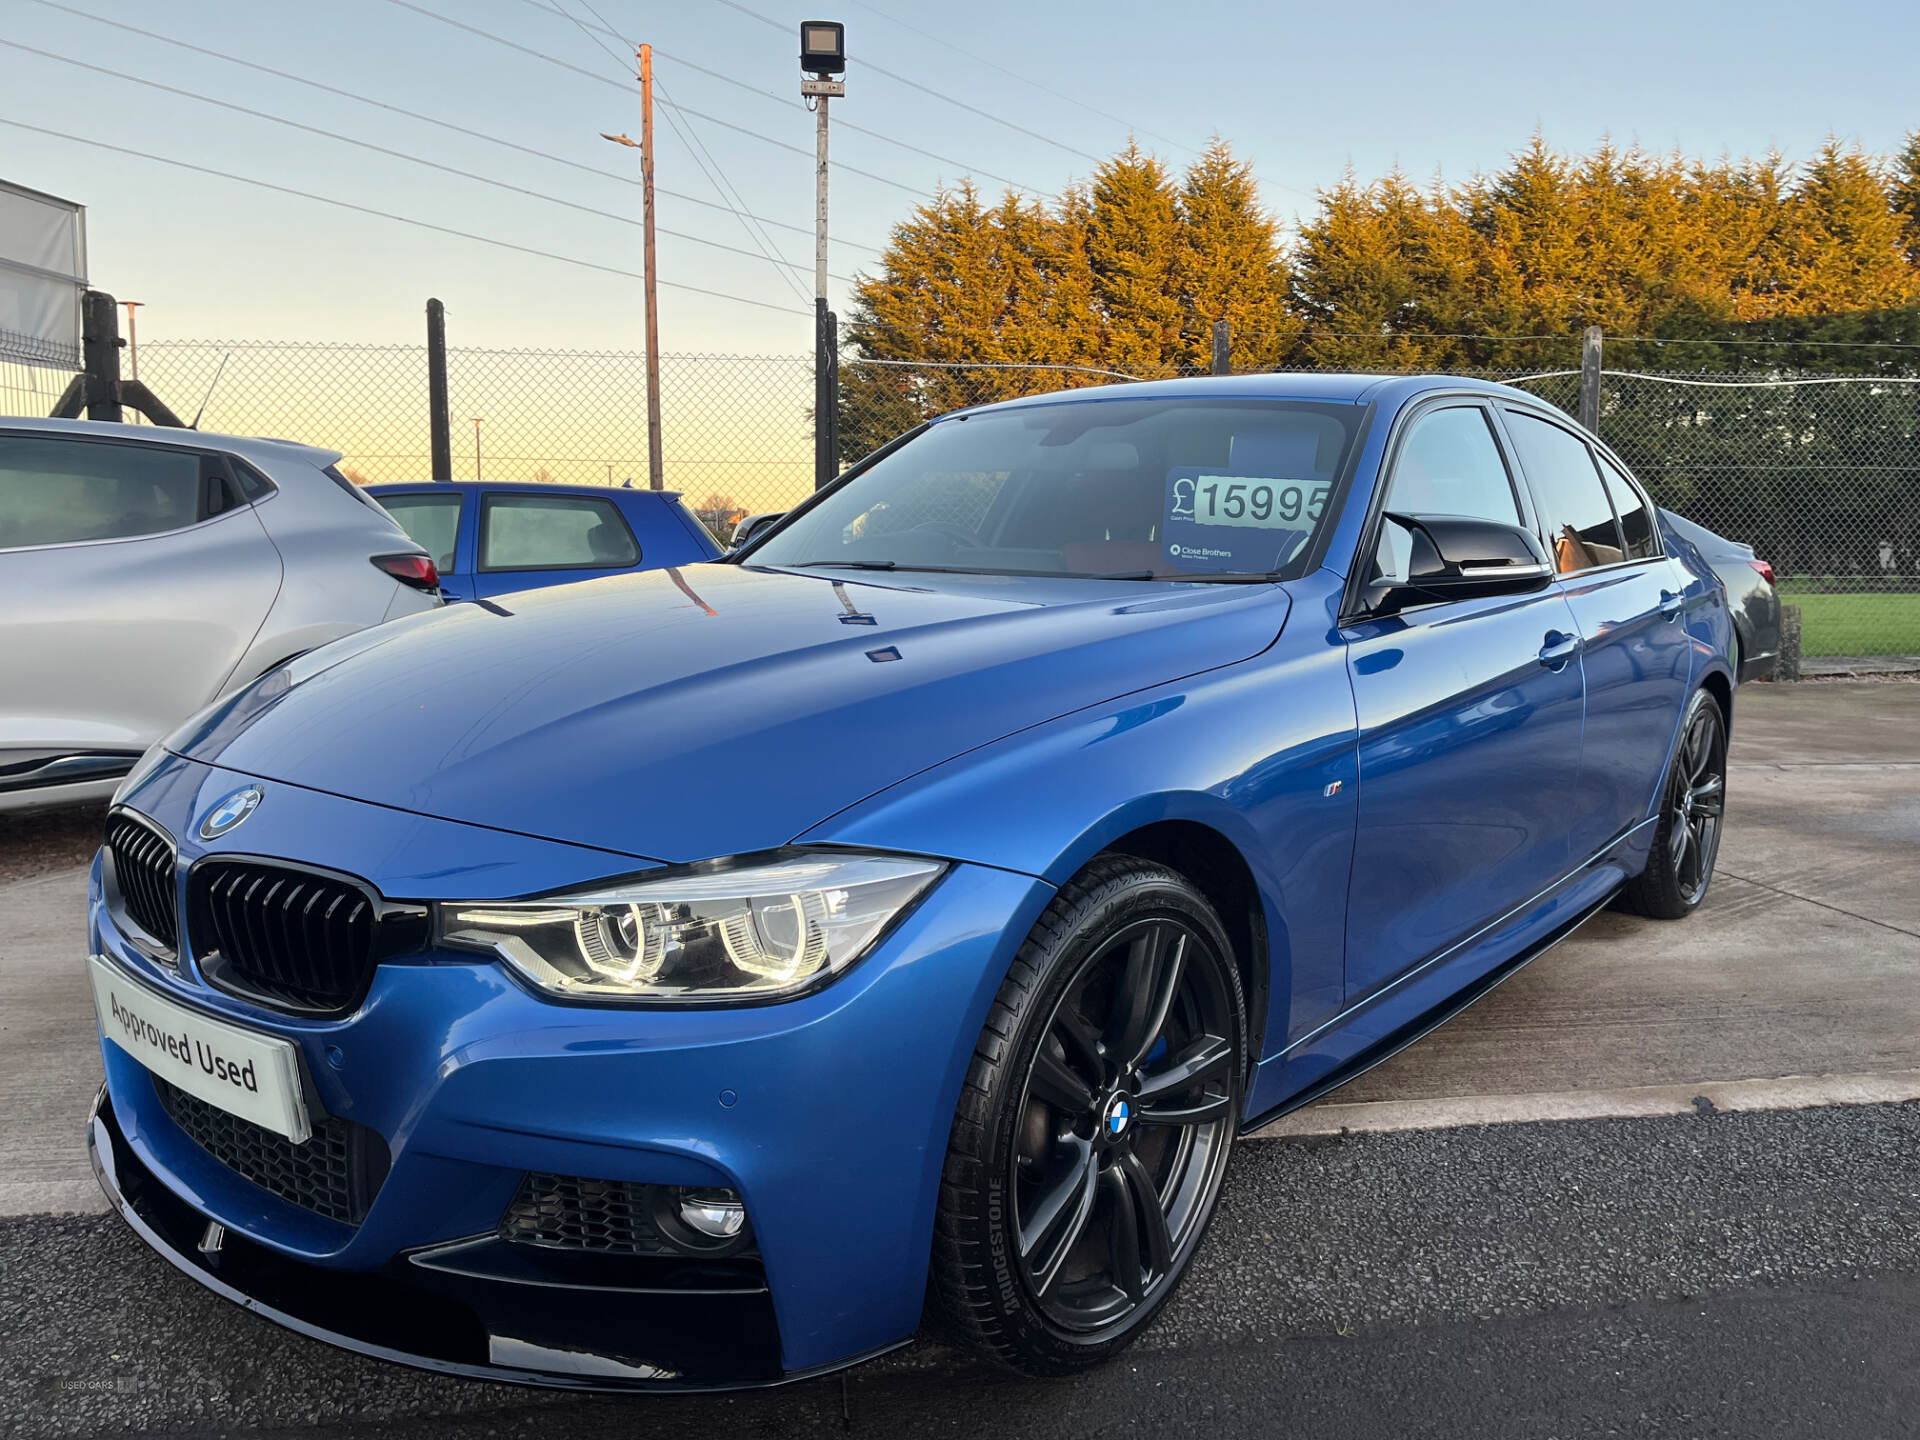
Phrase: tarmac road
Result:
[1741,1275]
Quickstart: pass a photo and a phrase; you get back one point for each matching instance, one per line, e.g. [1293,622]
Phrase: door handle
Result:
[1558,650]
[1671,604]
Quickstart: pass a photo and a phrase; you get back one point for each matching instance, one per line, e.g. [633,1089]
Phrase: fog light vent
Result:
[625,1217]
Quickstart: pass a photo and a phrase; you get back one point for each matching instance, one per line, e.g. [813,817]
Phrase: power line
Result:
[587,30]
[710,166]
[1023,79]
[434,120]
[394,154]
[792,104]
[716,176]
[927,89]
[385,214]
[684,110]
[962,104]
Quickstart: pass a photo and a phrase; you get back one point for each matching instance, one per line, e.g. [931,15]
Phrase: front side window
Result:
[60,492]
[1125,489]
[1636,521]
[1450,465]
[431,521]
[554,532]
[1574,508]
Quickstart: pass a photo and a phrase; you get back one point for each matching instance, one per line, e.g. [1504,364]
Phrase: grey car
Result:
[1750,596]
[145,572]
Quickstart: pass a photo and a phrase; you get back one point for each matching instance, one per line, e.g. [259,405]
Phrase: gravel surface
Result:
[1712,1274]
[42,841]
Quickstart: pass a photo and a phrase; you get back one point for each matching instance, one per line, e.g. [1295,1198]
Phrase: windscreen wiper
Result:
[1223,577]
[845,565]
[1193,577]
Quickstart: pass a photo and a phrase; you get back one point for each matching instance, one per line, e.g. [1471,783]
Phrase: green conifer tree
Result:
[1229,266]
[1132,241]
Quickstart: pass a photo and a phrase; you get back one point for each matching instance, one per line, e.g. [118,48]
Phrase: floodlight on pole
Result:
[823,55]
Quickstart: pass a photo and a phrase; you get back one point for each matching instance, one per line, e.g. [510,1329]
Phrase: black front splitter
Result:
[448,1316]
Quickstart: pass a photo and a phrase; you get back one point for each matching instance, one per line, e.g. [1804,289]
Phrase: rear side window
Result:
[554,532]
[1636,521]
[1574,508]
[433,522]
[59,492]
[332,472]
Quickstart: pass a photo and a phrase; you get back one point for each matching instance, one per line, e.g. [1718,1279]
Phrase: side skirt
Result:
[1595,889]
[1419,1028]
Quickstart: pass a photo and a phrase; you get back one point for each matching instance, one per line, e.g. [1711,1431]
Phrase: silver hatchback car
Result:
[145,572]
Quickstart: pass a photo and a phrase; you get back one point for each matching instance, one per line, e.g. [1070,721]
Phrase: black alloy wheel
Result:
[1697,801]
[1128,1100]
[1687,840]
[1107,1122]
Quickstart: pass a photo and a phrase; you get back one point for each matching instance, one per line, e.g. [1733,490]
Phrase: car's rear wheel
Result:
[1092,1135]
[1686,842]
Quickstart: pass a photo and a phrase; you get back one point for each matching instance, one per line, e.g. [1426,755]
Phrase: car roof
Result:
[518,487]
[1336,388]
[257,448]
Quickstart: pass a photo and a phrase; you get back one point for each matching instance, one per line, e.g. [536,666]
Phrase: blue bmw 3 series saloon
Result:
[693,978]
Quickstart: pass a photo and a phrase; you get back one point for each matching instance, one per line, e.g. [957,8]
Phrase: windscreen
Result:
[1126,489]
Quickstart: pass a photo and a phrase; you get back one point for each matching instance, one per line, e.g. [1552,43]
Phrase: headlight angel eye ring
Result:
[743,931]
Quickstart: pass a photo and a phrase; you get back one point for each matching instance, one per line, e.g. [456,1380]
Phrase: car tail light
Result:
[415,570]
[1764,569]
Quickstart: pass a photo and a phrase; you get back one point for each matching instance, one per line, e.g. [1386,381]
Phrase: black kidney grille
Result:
[335,1172]
[282,935]
[143,864]
[569,1212]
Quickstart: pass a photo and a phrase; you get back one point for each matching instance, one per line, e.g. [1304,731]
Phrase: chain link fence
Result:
[1821,474]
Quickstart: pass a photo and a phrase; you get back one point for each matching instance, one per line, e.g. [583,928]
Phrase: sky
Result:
[1303,91]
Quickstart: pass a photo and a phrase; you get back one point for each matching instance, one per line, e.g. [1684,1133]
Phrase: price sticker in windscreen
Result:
[1239,522]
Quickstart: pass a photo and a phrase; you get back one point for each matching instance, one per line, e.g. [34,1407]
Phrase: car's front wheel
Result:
[1686,841]
[1093,1131]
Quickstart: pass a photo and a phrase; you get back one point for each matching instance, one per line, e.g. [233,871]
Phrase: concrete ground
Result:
[1648,1264]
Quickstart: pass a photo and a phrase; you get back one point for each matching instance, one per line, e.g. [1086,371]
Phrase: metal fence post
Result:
[1590,379]
[1222,347]
[439,422]
[100,349]
[1787,667]
[826,397]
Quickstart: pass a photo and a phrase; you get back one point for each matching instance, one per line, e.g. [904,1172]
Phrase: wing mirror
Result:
[752,525]
[1431,559]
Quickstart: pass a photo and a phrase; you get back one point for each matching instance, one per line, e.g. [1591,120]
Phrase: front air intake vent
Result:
[336,1172]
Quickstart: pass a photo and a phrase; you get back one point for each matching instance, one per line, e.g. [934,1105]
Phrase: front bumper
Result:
[827,1114]
[464,1309]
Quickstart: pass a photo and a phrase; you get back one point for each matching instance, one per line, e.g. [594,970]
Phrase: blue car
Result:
[693,978]
[490,539]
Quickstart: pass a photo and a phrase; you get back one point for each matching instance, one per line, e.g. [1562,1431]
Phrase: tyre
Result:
[1687,840]
[1092,1134]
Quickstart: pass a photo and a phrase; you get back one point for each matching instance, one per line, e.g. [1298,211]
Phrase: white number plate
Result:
[245,1073]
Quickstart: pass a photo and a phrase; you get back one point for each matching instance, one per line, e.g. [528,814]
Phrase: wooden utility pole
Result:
[656,468]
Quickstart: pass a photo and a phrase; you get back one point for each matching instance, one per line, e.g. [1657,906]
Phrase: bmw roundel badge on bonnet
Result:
[231,810]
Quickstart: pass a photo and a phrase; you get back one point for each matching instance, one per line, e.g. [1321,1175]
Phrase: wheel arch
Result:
[1215,866]
[1719,684]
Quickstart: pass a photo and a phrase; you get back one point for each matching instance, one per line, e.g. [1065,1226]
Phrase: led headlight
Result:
[750,931]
